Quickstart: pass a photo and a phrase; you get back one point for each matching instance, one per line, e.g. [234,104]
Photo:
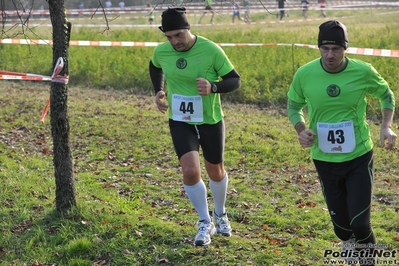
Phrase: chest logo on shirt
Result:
[333,90]
[181,63]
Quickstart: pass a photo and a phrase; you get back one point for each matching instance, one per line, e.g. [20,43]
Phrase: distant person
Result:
[81,5]
[236,10]
[208,8]
[304,6]
[40,10]
[151,14]
[322,4]
[335,88]
[122,4]
[281,8]
[247,16]
[108,4]
[193,105]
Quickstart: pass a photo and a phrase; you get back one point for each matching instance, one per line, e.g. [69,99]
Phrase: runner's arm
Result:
[157,77]
[295,114]
[230,82]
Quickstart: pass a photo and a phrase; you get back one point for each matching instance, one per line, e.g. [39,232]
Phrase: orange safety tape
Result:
[55,78]
[351,50]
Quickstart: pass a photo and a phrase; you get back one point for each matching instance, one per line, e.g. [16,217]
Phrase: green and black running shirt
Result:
[181,69]
[337,107]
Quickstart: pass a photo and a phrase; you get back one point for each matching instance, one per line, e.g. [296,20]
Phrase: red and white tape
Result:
[22,76]
[351,50]
[55,77]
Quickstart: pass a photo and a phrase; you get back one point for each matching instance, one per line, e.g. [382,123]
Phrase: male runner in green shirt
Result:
[191,66]
[334,88]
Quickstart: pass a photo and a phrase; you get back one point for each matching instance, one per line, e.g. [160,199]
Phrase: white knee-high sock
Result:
[219,190]
[197,195]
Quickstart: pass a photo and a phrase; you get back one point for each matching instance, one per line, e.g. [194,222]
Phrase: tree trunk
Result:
[63,164]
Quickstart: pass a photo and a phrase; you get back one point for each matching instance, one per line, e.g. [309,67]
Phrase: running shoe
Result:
[205,230]
[347,248]
[222,224]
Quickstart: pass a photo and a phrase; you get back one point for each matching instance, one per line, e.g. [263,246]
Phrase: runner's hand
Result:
[386,134]
[161,101]
[203,86]
[306,138]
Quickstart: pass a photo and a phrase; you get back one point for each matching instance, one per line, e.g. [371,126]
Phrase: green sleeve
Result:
[381,90]
[295,113]
[388,100]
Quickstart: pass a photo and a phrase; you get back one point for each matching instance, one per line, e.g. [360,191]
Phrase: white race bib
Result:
[187,108]
[336,137]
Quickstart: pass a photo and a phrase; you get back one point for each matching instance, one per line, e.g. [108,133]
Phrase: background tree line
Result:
[71,4]
[37,4]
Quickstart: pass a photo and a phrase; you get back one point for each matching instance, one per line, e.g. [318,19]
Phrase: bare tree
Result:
[63,163]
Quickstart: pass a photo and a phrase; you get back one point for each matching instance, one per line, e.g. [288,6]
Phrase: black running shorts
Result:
[188,138]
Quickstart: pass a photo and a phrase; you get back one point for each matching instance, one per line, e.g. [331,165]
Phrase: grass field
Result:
[131,207]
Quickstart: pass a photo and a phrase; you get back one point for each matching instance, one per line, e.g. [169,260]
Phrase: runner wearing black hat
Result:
[334,88]
[196,71]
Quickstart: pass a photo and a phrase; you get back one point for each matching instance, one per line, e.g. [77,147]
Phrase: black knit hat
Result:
[333,32]
[174,19]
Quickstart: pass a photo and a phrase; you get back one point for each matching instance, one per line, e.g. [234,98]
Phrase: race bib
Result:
[336,137]
[187,108]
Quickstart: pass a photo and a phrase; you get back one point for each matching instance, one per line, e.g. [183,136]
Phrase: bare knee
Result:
[191,168]
[216,172]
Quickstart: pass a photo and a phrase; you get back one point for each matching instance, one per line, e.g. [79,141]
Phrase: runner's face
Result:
[180,39]
[332,57]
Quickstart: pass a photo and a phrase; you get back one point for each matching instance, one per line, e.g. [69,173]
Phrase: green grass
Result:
[131,208]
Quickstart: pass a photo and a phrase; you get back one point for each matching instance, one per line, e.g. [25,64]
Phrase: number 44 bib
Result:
[187,108]
[336,137]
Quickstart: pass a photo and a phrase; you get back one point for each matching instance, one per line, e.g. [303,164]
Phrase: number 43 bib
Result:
[336,137]
[187,108]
